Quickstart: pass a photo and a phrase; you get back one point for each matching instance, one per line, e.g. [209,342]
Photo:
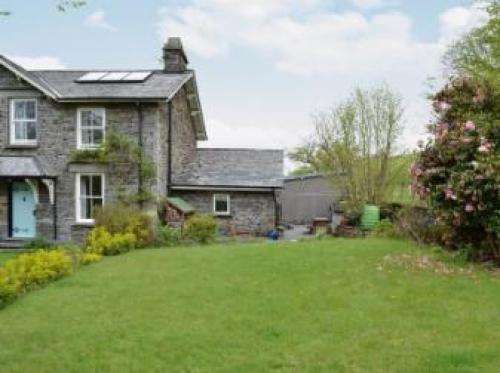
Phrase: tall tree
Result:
[355,143]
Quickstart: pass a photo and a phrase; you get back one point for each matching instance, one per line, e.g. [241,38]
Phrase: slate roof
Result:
[251,168]
[19,166]
[159,85]
[62,85]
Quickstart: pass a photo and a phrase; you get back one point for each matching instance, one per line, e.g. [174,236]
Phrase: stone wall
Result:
[254,211]
[183,133]
[44,213]
[57,125]
[4,210]
[9,80]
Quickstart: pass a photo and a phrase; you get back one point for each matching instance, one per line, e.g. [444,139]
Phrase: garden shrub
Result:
[38,243]
[101,242]
[141,226]
[119,218]
[8,288]
[168,236]
[27,271]
[419,224]
[201,228]
[458,170]
[89,258]
[385,228]
[389,210]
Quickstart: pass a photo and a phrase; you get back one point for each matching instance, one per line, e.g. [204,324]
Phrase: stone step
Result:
[12,244]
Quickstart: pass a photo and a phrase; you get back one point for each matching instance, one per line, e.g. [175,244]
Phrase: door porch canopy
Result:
[28,168]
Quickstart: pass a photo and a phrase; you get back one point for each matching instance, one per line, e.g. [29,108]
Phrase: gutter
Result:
[276,217]
[235,188]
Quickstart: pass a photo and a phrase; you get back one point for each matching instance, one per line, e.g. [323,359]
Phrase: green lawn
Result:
[320,306]
[4,256]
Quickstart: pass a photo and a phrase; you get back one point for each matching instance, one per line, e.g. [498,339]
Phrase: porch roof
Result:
[23,166]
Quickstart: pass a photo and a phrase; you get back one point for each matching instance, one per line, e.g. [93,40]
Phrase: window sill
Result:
[223,215]
[84,224]
[89,148]
[21,146]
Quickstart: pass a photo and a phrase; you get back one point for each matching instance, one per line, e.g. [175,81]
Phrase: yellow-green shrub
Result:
[36,269]
[101,242]
[8,288]
[119,218]
[89,258]
[201,228]
[141,226]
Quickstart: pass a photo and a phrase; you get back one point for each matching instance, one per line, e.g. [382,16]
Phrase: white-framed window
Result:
[89,196]
[91,127]
[23,121]
[222,204]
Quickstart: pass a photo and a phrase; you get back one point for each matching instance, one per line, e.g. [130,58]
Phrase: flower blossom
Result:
[449,194]
[469,207]
[416,170]
[486,146]
[444,106]
[441,130]
[470,125]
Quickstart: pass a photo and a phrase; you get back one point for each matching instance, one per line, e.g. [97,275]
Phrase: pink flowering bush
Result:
[458,170]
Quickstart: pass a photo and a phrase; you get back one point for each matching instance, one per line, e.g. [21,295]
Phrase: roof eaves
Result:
[28,76]
[201,133]
[252,188]
[108,98]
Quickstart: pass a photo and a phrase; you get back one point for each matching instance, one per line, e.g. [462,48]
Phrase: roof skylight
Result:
[91,77]
[114,76]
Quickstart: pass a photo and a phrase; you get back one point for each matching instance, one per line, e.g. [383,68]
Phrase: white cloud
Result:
[336,50]
[370,4]
[38,62]
[98,20]
[457,21]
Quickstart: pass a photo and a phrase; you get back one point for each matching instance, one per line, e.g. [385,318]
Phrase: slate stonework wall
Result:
[9,80]
[249,210]
[4,210]
[183,134]
[57,138]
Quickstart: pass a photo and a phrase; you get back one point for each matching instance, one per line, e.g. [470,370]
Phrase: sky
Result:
[263,66]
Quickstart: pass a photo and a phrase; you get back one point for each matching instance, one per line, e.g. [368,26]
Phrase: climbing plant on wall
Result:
[125,158]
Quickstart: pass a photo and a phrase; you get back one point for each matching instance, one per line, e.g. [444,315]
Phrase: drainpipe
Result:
[140,143]
[54,209]
[170,150]
[276,218]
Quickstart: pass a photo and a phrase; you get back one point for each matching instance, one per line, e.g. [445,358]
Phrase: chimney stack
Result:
[174,58]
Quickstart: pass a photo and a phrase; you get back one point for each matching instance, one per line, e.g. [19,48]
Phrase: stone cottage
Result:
[45,116]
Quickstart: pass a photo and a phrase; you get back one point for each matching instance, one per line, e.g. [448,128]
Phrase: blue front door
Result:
[23,211]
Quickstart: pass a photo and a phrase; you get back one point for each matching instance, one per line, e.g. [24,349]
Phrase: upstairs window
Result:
[91,127]
[89,196]
[221,204]
[23,121]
